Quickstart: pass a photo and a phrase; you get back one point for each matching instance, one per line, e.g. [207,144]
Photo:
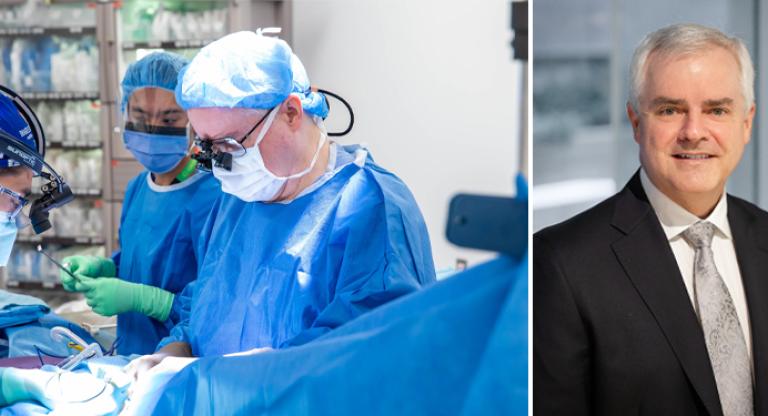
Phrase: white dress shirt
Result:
[674,220]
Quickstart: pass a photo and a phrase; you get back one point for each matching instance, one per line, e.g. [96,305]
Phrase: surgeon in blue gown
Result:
[309,234]
[164,210]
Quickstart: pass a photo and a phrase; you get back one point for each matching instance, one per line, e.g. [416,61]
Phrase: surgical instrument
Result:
[40,249]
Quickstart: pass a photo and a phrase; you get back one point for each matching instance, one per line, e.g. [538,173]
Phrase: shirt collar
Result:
[676,219]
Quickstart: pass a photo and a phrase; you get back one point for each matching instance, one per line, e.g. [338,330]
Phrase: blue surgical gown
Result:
[159,231]
[458,347]
[281,274]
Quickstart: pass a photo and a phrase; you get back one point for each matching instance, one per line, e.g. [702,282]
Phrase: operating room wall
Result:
[434,89]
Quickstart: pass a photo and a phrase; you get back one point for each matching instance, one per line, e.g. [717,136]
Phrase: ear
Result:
[748,124]
[293,112]
[634,119]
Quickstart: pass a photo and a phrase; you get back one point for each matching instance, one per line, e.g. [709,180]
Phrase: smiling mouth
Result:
[692,156]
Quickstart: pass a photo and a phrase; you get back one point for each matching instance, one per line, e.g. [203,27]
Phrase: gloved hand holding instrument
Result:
[109,295]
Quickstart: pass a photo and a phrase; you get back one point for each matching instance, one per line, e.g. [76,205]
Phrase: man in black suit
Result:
[655,301]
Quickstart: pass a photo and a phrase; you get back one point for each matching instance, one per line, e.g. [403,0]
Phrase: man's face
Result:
[217,123]
[155,107]
[18,180]
[692,122]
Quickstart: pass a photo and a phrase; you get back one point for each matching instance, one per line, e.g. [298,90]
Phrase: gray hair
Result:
[687,39]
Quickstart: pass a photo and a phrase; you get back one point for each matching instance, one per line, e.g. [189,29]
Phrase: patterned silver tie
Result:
[722,331]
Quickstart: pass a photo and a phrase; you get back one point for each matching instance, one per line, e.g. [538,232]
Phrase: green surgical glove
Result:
[89,266]
[111,296]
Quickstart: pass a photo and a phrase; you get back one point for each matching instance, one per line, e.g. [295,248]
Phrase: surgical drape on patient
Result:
[97,387]
[458,347]
[18,309]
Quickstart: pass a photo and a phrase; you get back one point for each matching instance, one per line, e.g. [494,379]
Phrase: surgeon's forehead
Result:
[153,94]
[218,122]
[153,99]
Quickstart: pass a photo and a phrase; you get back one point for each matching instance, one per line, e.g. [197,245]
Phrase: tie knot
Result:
[700,234]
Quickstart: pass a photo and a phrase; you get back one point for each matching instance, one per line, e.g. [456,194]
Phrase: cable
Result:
[346,104]
[40,354]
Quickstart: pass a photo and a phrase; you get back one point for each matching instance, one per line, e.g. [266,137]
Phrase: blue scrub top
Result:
[281,274]
[159,231]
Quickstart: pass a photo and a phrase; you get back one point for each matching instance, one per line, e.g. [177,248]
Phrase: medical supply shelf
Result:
[168,44]
[101,27]
[57,72]
[63,241]
[60,96]
[48,31]
[73,146]
[85,192]
[9,3]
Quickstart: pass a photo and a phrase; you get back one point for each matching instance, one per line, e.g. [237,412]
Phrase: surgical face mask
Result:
[8,230]
[249,179]
[159,149]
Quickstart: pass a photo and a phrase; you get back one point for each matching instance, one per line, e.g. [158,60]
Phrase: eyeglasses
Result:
[215,149]
[11,204]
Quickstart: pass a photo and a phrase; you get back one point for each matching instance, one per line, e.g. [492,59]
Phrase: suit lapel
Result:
[748,239]
[646,257]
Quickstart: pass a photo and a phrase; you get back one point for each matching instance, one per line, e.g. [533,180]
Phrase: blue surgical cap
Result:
[246,70]
[156,70]
[12,123]
[312,102]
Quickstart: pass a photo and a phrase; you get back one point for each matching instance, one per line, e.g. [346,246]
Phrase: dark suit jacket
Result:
[614,330]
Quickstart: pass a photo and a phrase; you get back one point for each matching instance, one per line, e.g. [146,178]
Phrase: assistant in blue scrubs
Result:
[159,231]
[164,210]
